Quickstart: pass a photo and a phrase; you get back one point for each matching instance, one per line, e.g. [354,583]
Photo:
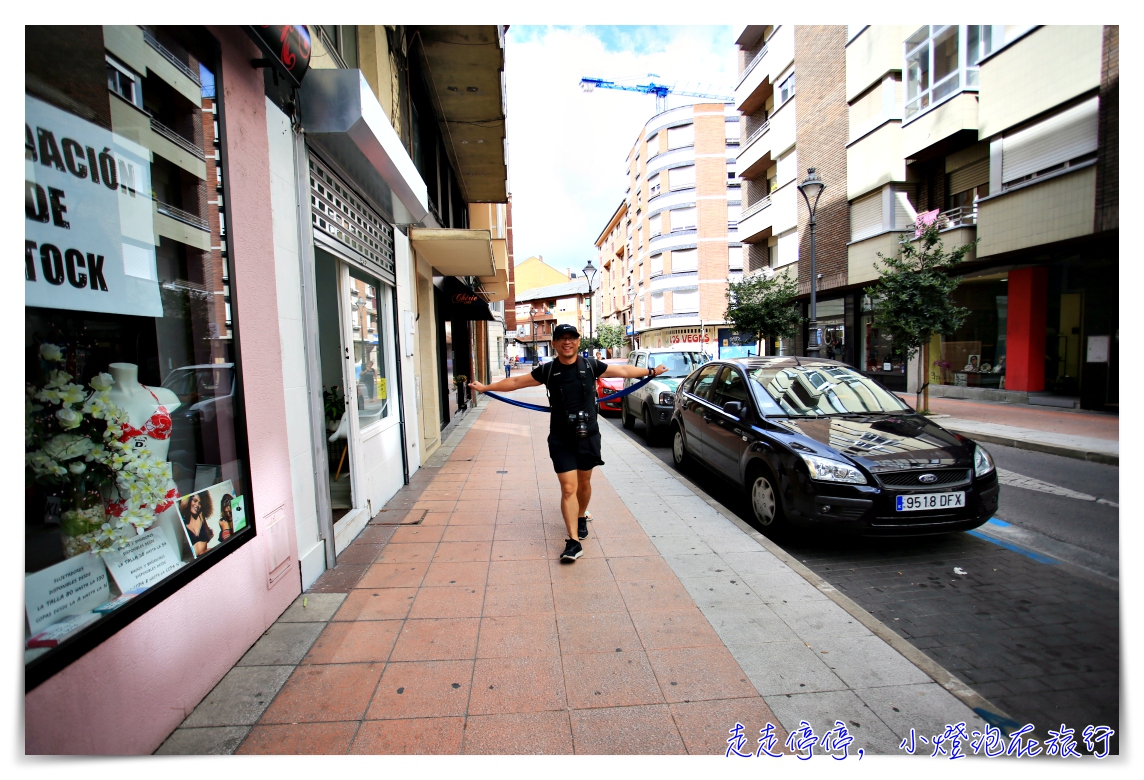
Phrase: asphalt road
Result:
[1032,624]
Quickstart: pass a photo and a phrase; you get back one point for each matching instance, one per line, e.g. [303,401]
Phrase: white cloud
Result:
[567,148]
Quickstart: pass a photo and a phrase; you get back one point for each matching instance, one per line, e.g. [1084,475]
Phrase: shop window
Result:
[974,354]
[370,355]
[135,442]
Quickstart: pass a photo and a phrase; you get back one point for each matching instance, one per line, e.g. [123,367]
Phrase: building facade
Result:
[1006,136]
[541,309]
[667,252]
[261,289]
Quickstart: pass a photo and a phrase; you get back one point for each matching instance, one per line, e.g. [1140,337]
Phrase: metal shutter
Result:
[866,216]
[970,176]
[904,217]
[1055,140]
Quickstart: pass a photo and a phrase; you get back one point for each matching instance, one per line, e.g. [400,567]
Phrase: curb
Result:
[930,667]
[1038,446]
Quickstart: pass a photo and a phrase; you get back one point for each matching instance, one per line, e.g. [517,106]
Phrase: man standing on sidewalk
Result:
[571,384]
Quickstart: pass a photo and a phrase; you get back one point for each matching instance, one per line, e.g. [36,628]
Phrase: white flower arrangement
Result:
[78,444]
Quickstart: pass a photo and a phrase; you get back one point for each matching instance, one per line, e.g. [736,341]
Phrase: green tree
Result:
[763,306]
[609,335]
[912,297]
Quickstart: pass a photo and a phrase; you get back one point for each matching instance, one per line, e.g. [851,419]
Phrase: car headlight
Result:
[667,399]
[982,463]
[826,470]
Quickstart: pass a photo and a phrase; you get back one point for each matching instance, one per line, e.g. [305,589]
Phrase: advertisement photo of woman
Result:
[225,518]
[195,509]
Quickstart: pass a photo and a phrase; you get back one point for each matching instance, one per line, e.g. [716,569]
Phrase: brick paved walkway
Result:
[465,635]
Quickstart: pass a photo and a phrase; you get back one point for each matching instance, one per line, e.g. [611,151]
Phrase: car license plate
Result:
[924,501]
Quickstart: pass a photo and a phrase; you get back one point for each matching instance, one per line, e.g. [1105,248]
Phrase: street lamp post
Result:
[811,189]
[532,321]
[590,275]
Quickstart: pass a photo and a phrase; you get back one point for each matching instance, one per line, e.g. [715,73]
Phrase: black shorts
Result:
[574,453]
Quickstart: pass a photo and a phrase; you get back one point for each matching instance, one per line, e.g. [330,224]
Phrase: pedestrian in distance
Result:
[574,431]
[507,366]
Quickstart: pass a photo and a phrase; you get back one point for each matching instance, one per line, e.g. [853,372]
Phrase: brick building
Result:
[1006,135]
[668,250]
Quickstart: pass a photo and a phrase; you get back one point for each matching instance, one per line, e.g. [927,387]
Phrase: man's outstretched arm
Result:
[505,385]
[631,372]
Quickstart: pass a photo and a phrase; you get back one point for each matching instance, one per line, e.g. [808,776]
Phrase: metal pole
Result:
[812,345]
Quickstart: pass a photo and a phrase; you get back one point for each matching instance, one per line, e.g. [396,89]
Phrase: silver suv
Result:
[653,403]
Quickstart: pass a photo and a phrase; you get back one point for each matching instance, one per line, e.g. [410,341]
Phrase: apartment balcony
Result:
[677,239]
[136,125]
[771,216]
[671,199]
[181,226]
[764,146]
[924,131]
[1046,210]
[758,78]
[671,158]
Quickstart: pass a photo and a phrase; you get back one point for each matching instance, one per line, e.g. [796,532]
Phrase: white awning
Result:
[455,252]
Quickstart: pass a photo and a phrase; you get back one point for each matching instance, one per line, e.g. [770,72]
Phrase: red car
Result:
[609,385]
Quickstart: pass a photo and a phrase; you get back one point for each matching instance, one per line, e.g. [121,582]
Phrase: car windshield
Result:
[679,364]
[814,391]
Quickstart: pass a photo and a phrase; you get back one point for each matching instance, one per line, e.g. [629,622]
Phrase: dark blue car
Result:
[817,445]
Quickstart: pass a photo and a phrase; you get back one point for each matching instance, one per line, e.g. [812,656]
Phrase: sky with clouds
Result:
[567,148]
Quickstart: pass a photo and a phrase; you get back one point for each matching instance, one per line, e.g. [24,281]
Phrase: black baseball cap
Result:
[560,331]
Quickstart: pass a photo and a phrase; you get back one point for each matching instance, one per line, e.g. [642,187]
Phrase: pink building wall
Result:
[128,694]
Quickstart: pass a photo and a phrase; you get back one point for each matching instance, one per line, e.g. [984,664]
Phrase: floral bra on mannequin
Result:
[158,426]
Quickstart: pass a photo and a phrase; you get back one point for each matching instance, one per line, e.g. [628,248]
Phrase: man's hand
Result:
[478,387]
[661,369]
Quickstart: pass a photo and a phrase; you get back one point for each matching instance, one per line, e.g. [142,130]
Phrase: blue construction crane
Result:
[661,91]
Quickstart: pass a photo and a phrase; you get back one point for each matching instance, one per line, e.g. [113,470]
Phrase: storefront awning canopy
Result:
[455,252]
[346,123]
[462,304]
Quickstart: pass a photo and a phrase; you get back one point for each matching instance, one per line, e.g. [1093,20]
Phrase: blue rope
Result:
[535,408]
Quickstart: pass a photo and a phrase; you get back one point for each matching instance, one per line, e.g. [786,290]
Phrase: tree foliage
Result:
[763,306]
[609,335]
[912,297]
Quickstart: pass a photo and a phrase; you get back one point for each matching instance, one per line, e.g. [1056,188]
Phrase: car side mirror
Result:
[733,408]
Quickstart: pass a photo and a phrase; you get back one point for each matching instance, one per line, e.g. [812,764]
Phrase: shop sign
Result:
[733,344]
[89,234]
[70,587]
[288,44]
[689,338]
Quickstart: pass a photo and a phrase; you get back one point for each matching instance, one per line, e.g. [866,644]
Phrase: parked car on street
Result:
[654,402]
[609,385]
[817,445]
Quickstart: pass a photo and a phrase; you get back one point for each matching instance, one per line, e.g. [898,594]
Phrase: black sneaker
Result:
[572,551]
[582,527]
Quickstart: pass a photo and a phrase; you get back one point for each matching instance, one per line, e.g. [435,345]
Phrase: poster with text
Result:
[208,516]
[89,234]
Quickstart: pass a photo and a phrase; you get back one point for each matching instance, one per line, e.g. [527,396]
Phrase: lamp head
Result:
[589,273]
[811,188]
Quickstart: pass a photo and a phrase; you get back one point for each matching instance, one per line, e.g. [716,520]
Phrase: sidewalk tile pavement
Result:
[465,634]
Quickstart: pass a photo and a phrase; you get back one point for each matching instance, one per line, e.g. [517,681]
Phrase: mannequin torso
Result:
[142,405]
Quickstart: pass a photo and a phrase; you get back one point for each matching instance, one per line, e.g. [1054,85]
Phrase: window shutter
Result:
[683,219]
[684,260]
[657,303]
[655,225]
[866,216]
[902,218]
[685,301]
[680,136]
[1058,139]
[969,177]
[652,145]
[657,264]
[735,258]
[679,178]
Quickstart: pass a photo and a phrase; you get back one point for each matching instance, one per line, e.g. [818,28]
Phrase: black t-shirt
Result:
[568,389]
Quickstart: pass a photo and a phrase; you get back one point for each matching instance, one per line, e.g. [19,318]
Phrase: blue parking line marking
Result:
[1010,546]
[1000,523]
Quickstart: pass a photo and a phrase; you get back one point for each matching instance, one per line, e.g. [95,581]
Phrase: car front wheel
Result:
[764,502]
